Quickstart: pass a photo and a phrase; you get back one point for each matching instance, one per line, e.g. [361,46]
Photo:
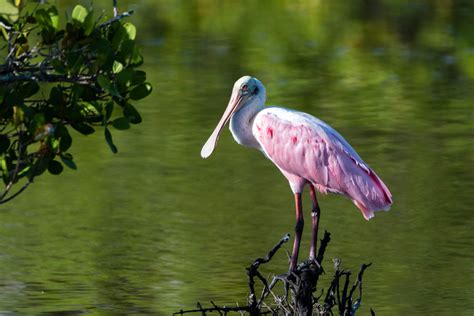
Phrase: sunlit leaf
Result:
[4,165]
[53,15]
[130,30]
[117,67]
[23,172]
[125,32]
[18,115]
[79,13]
[4,33]
[9,10]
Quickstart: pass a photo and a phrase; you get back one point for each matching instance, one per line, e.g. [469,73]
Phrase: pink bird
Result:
[306,150]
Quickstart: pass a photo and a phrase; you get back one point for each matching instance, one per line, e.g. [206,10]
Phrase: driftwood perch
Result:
[299,288]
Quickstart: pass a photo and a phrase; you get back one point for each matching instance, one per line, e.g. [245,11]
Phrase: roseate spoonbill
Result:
[306,150]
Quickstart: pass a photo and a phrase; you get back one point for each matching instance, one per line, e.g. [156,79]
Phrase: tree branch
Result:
[45,77]
[115,19]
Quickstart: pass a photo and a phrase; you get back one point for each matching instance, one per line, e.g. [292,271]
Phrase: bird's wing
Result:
[304,146]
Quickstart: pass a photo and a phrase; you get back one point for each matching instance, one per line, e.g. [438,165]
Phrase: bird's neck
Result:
[242,121]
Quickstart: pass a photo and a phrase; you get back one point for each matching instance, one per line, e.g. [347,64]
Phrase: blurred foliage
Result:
[80,73]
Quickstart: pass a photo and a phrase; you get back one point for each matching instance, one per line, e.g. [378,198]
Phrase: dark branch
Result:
[45,77]
[215,308]
[300,286]
[115,19]
[23,188]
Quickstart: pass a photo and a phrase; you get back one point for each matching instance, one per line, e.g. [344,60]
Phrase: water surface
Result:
[155,228]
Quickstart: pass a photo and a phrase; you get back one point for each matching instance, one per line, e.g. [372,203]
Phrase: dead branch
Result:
[299,287]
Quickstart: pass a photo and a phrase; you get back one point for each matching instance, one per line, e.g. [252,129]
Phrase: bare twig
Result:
[301,285]
[115,19]
[252,271]
[23,188]
[215,308]
[46,77]
[115,8]
[14,175]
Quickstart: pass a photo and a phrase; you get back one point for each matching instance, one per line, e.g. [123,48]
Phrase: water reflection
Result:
[156,228]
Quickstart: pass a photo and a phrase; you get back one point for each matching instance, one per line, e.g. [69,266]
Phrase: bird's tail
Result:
[376,197]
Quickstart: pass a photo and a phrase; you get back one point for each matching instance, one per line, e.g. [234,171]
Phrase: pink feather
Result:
[307,150]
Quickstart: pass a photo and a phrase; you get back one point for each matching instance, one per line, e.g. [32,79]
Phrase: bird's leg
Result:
[315,215]
[298,231]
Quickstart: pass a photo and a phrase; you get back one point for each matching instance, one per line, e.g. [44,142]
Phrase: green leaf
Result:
[28,89]
[137,58]
[130,30]
[24,171]
[55,167]
[58,66]
[108,138]
[67,160]
[65,142]
[4,165]
[56,97]
[89,23]
[109,108]
[125,77]
[126,50]
[139,77]
[108,86]
[65,139]
[73,60]
[88,94]
[121,123]
[141,91]
[39,167]
[18,115]
[132,114]
[125,32]
[83,128]
[79,13]
[8,10]
[53,15]
[44,19]
[105,55]
[4,143]
[117,67]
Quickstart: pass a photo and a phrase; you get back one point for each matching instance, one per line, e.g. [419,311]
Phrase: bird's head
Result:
[245,90]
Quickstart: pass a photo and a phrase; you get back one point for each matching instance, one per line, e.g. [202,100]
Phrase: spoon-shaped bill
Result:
[210,144]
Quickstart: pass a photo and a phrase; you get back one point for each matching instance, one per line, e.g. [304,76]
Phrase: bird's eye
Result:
[245,88]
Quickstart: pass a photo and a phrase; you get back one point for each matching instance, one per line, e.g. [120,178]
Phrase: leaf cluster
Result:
[77,73]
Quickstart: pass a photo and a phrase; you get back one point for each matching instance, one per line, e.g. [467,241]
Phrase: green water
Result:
[155,228]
